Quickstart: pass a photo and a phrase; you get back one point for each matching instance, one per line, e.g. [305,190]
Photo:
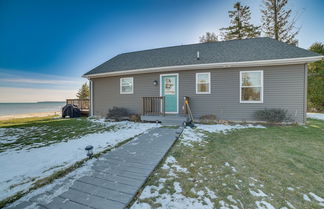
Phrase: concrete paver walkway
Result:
[117,175]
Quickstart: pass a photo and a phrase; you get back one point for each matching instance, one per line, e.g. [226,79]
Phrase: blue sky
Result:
[45,46]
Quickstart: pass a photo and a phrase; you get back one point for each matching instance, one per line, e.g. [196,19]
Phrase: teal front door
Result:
[169,89]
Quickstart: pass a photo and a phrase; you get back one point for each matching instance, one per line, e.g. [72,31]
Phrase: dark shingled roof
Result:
[215,52]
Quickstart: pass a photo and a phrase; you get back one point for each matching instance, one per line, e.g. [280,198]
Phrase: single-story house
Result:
[229,79]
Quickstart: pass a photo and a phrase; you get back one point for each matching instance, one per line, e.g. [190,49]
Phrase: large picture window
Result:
[251,86]
[127,85]
[202,83]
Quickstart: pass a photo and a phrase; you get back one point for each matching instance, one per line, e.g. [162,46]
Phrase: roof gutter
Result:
[290,61]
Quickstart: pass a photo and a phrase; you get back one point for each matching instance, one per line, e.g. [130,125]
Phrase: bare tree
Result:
[208,37]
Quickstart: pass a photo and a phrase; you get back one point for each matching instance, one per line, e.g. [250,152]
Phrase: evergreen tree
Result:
[208,37]
[240,27]
[83,92]
[316,80]
[277,22]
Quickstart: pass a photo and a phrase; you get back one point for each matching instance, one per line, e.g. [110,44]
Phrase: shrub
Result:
[135,118]
[274,115]
[118,113]
[208,118]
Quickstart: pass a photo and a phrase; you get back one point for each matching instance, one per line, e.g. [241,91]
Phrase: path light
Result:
[89,150]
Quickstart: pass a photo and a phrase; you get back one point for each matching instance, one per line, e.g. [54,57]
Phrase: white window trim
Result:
[209,86]
[120,85]
[261,93]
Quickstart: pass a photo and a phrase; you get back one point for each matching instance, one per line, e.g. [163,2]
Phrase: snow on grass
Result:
[191,135]
[221,128]
[290,205]
[46,194]
[258,193]
[176,200]
[21,168]
[305,197]
[317,198]
[318,116]
[171,165]
[195,135]
[264,205]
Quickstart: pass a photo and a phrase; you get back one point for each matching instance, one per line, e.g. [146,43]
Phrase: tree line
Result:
[276,22]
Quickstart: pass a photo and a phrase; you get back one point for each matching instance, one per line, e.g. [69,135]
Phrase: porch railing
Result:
[82,104]
[153,106]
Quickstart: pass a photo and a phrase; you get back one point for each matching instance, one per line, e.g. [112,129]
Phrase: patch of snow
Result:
[258,193]
[48,192]
[224,205]
[210,193]
[19,169]
[171,164]
[306,197]
[253,179]
[226,164]
[170,160]
[221,128]
[318,116]
[316,197]
[290,188]
[175,200]
[141,205]
[191,135]
[200,193]
[264,205]
[230,198]
[177,187]
[290,205]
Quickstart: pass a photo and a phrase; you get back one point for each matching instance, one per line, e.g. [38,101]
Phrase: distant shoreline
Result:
[29,115]
[32,102]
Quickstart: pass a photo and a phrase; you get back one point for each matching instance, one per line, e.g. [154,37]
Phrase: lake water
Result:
[22,108]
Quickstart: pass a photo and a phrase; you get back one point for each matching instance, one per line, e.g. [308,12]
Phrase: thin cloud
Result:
[34,95]
[38,81]
[21,79]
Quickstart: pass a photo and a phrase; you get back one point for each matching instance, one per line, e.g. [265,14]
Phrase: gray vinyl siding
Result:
[284,87]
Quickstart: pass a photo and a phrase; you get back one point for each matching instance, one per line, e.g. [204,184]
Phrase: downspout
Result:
[91,97]
[305,92]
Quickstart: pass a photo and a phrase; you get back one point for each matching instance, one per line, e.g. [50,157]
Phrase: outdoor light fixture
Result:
[155,82]
[89,150]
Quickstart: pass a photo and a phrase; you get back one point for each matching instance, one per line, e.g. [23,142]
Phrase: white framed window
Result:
[203,83]
[127,85]
[251,86]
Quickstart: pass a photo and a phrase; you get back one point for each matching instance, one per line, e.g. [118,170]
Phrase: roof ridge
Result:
[215,42]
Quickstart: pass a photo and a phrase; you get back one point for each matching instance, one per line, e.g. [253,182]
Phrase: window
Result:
[202,83]
[251,86]
[127,85]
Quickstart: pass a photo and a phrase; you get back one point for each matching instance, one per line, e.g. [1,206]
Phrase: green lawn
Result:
[42,131]
[285,163]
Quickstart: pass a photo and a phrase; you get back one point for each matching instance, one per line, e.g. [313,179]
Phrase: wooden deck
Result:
[82,104]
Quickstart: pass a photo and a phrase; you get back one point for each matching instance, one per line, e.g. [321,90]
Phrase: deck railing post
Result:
[163,98]
[153,105]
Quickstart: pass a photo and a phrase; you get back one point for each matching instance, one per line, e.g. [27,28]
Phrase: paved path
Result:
[117,175]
